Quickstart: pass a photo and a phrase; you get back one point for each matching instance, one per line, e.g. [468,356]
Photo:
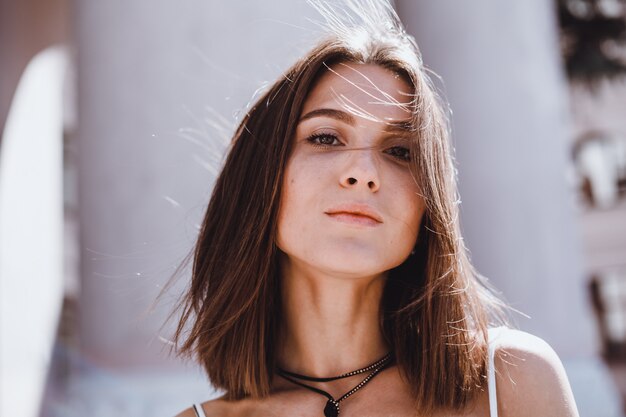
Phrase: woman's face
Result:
[349,204]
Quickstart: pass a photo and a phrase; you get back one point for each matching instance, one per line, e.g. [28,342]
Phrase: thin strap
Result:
[199,411]
[491,377]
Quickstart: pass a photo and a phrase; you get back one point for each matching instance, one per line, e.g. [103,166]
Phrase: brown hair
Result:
[435,308]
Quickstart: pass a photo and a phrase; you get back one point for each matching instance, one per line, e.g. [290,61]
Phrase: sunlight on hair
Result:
[390,101]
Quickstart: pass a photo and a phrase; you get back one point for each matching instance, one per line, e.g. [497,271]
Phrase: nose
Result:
[361,170]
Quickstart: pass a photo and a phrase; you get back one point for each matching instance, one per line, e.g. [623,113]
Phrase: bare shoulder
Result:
[187,413]
[530,377]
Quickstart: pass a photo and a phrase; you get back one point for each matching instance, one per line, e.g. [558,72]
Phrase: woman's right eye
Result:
[323,139]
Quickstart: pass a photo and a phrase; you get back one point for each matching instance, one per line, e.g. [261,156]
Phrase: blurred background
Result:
[114,117]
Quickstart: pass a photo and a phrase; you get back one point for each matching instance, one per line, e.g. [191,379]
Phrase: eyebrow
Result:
[332,113]
[403,126]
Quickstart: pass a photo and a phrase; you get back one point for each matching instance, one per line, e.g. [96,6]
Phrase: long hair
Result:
[435,308]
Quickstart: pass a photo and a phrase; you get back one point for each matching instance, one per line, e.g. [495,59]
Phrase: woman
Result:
[329,274]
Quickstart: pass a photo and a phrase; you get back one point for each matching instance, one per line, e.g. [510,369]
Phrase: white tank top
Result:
[491,377]
[198,409]
[491,370]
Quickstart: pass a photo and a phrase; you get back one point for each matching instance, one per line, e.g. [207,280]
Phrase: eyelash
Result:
[316,136]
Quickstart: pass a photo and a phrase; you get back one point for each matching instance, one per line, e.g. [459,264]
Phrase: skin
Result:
[334,272]
[333,279]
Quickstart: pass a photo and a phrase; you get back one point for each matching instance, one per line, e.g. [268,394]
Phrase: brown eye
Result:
[322,139]
[400,152]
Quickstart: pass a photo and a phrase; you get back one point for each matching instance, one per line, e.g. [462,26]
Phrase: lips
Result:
[359,213]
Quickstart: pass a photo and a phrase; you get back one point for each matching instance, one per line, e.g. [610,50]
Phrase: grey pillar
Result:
[500,66]
[154,77]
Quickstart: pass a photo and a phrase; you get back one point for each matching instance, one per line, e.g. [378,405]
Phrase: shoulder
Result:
[187,413]
[530,377]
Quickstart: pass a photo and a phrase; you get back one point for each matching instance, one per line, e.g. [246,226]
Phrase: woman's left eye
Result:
[400,152]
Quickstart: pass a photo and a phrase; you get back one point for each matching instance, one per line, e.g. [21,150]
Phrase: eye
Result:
[400,152]
[323,139]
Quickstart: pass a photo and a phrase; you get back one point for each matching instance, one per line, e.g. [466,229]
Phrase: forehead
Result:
[366,90]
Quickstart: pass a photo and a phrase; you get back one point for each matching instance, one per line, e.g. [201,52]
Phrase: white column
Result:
[503,78]
[152,78]
[31,232]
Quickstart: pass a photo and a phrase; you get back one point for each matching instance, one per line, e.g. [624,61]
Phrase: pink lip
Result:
[355,214]
[354,219]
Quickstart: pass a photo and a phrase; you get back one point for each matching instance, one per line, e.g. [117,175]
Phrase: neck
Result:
[331,323]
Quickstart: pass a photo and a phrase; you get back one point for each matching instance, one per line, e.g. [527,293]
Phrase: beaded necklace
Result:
[332,405]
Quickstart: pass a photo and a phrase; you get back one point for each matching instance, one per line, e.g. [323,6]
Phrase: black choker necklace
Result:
[332,406]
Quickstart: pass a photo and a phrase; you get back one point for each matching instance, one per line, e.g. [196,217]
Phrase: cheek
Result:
[284,211]
[418,210]
[303,176]
[294,195]
[413,207]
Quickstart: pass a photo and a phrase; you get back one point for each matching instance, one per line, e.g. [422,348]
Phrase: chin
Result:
[346,259]
[350,265]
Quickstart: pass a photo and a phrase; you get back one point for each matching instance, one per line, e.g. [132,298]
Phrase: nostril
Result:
[351,180]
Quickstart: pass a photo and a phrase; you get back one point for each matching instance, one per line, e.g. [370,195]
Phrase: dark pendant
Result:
[331,409]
